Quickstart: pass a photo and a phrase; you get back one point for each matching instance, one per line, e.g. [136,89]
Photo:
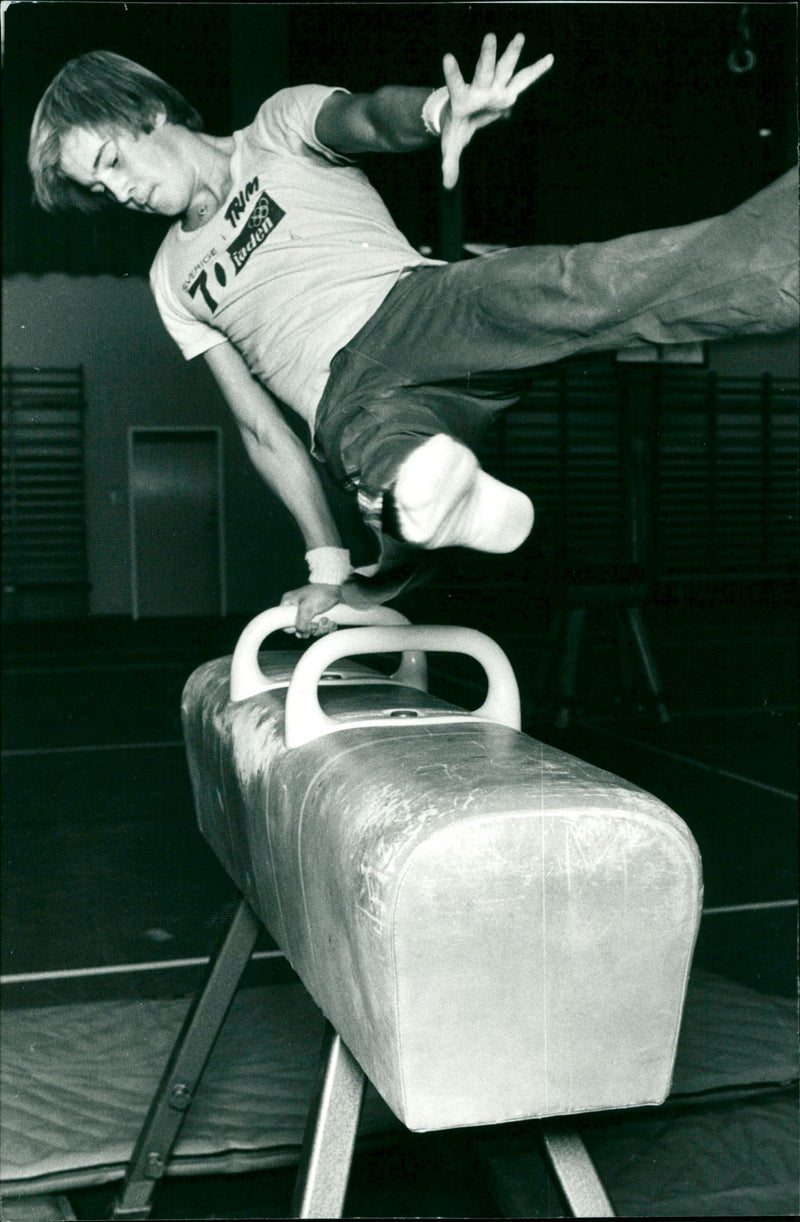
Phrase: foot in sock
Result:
[444,499]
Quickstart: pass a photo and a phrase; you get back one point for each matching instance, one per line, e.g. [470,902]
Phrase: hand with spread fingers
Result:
[491,95]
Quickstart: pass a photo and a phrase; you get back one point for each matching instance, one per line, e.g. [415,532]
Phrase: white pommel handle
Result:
[247,678]
[305,719]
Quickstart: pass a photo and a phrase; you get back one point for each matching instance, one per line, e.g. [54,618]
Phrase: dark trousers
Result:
[446,349]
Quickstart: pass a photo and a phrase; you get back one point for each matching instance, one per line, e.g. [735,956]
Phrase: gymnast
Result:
[284,269]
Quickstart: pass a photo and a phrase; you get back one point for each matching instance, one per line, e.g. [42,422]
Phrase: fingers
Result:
[302,621]
[450,167]
[485,67]
[310,622]
[310,603]
[302,624]
[452,75]
[495,79]
[524,79]
[315,627]
[508,60]
[453,146]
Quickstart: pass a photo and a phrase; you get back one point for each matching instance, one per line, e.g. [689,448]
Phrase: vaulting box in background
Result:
[496,930]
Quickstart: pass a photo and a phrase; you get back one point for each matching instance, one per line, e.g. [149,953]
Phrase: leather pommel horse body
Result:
[494,930]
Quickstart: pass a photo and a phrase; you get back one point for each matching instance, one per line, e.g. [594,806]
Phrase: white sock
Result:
[444,499]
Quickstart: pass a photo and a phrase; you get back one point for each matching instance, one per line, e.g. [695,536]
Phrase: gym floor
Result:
[103,866]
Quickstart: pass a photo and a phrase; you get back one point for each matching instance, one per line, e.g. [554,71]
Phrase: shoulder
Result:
[287,120]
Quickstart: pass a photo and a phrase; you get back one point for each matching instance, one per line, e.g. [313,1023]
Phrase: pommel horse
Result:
[494,930]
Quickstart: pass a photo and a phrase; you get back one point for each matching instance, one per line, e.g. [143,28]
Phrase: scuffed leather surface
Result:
[496,929]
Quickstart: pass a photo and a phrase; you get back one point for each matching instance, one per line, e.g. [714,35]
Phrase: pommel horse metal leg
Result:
[575,1172]
[185,1067]
[330,1135]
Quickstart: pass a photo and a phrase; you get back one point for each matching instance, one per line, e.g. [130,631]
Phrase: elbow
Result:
[256,440]
[263,439]
[270,441]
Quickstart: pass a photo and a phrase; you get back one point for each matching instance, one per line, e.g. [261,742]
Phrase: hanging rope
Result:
[742,57]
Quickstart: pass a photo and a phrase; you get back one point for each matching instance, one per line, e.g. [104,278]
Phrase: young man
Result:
[284,269]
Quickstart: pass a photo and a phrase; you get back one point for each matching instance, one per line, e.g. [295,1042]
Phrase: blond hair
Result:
[99,91]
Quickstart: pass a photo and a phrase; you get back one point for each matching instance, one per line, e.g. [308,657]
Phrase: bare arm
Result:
[386,121]
[390,119]
[284,464]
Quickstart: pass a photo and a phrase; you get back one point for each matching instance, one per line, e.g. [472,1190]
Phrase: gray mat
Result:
[77,1080]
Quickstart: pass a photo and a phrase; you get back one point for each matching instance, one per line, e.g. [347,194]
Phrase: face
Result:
[143,172]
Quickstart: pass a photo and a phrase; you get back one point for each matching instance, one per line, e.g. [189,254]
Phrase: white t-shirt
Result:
[300,255]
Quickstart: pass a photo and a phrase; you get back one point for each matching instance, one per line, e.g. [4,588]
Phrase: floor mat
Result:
[722,1161]
[77,1080]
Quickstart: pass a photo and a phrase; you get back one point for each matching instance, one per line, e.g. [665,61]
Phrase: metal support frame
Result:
[564,648]
[641,640]
[575,1172]
[185,1067]
[330,1135]
[572,625]
[626,593]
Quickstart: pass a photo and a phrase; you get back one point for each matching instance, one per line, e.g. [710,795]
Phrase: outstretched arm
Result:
[391,118]
[284,464]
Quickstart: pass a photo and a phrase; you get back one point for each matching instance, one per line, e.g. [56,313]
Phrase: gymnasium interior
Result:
[649,620]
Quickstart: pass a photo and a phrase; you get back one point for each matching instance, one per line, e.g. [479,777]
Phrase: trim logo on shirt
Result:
[259,225]
[265,215]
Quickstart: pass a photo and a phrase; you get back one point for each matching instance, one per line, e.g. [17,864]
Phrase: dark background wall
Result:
[641,123]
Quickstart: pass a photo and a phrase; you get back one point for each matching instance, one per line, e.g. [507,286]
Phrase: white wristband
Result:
[328,566]
[432,110]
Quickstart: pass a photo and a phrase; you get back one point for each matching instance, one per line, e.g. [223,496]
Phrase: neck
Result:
[213,184]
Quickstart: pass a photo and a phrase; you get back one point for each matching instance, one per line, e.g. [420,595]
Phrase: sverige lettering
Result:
[198,267]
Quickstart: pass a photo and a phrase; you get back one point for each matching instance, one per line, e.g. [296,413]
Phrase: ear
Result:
[155,120]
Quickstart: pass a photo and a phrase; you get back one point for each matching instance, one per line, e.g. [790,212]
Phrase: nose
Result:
[124,193]
[118,185]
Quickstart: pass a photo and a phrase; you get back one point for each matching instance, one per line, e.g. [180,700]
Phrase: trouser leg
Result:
[730,275]
[443,351]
